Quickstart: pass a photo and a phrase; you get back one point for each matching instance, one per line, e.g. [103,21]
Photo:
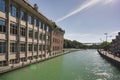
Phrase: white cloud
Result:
[88,37]
[87,4]
[77,35]
[108,1]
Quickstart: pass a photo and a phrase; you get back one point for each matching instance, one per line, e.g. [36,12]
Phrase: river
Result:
[80,65]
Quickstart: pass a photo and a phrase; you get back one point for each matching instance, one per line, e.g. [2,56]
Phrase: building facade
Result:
[26,34]
[115,46]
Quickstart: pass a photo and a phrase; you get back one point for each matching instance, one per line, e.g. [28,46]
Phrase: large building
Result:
[115,46]
[26,34]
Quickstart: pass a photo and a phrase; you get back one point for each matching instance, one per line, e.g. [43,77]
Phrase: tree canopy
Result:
[78,45]
[105,45]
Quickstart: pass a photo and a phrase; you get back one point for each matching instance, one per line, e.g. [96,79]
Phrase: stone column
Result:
[26,39]
[18,35]
[42,40]
[37,39]
[8,31]
[45,41]
[33,41]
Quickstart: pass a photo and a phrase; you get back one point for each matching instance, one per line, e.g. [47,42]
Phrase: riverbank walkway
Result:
[110,55]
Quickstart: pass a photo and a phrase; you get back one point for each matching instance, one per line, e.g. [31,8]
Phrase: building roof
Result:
[50,22]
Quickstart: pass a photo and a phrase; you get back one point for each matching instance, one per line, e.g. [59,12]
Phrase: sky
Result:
[83,20]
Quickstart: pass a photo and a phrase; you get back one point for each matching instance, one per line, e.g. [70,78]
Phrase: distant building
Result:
[89,44]
[26,34]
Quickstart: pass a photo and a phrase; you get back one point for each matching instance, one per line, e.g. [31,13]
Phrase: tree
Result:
[105,45]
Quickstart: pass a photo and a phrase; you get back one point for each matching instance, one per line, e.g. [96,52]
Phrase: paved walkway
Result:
[110,55]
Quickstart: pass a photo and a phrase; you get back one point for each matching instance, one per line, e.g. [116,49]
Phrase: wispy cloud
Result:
[87,4]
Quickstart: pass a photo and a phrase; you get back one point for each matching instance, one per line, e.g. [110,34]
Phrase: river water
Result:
[80,65]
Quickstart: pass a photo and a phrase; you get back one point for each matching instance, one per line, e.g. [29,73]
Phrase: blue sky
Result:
[83,20]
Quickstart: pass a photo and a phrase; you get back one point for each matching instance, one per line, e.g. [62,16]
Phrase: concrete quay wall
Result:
[109,57]
[27,63]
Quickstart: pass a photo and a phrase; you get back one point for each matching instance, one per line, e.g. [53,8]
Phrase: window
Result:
[41,25]
[2,5]
[2,47]
[30,34]
[35,47]
[48,47]
[22,47]
[36,35]
[47,37]
[2,26]
[23,15]
[44,27]
[37,23]
[30,19]
[13,11]
[44,37]
[47,29]
[40,47]
[22,31]
[13,29]
[30,47]
[43,47]
[13,47]
[41,36]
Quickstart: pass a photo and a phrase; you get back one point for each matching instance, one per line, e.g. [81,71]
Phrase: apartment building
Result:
[115,46]
[26,34]
[57,40]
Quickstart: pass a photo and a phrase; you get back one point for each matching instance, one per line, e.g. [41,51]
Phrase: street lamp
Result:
[106,34]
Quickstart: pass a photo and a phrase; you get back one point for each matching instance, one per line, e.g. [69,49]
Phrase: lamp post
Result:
[106,34]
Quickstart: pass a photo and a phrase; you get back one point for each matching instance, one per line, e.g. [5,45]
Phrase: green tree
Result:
[105,45]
